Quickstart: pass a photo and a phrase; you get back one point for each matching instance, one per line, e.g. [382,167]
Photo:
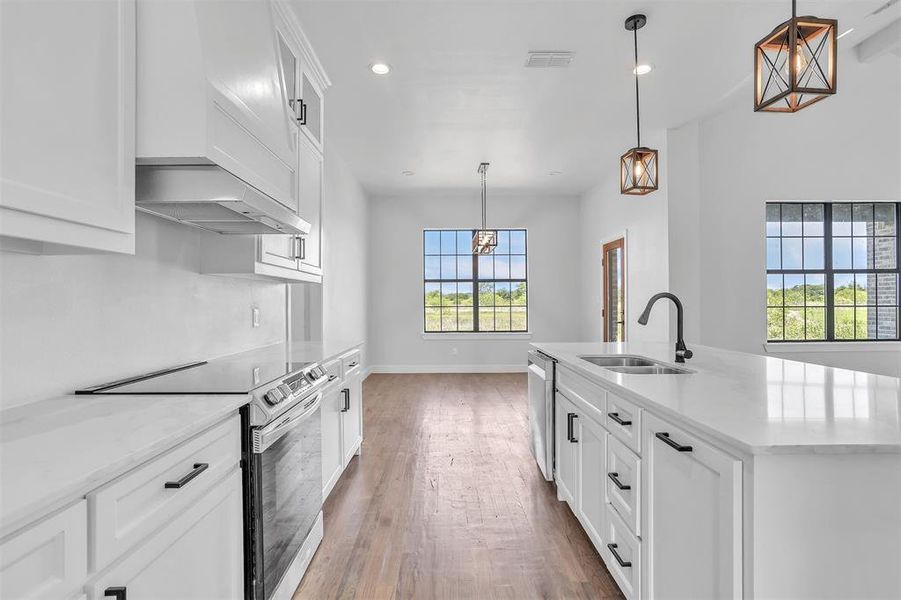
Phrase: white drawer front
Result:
[350,363]
[624,421]
[47,560]
[624,483]
[580,388]
[333,371]
[622,555]
[139,503]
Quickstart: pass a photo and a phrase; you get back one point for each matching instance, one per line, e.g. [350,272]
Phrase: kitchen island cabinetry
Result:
[711,491]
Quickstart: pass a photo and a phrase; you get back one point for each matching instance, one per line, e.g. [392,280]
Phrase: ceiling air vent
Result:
[549,59]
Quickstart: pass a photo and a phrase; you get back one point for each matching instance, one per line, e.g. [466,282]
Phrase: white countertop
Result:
[55,451]
[759,404]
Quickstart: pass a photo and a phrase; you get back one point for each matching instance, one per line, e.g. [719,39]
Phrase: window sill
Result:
[789,347]
[498,335]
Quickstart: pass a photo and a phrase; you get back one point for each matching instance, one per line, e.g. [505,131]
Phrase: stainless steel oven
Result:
[285,493]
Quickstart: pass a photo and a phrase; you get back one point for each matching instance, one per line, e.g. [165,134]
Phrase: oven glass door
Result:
[289,473]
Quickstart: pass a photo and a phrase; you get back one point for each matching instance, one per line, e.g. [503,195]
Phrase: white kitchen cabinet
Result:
[352,416]
[199,555]
[692,522]
[47,560]
[310,171]
[211,92]
[332,454]
[591,450]
[565,469]
[67,113]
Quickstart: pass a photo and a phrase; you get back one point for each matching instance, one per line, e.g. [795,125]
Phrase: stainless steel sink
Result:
[634,365]
[620,361]
[654,370]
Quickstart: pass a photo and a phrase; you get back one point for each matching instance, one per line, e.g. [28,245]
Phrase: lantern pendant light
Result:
[484,240]
[794,66]
[638,166]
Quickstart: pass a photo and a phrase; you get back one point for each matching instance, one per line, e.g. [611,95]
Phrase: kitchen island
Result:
[747,476]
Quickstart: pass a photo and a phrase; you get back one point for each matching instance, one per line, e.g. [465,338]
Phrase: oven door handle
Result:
[264,437]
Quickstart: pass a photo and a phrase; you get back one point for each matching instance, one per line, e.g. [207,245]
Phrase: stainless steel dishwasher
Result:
[541,411]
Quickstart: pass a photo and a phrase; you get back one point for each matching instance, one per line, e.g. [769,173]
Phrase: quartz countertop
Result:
[759,404]
[55,451]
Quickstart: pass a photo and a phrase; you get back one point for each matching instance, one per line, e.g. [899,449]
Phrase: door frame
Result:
[618,242]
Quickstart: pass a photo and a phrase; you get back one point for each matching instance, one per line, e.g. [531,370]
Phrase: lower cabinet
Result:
[199,555]
[591,449]
[342,417]
[332,455]
[352,417]
[667,520]
[565,449]
[693,516]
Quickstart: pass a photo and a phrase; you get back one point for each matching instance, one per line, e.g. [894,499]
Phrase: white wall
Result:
[396,291]
[345,231]
[606,215]
[73,321]
[843,148]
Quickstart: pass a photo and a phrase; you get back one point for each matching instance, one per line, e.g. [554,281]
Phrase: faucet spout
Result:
[682,352]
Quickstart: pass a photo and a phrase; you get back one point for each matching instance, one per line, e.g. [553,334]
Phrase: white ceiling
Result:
[459,94]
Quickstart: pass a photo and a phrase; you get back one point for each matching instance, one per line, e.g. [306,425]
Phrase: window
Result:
[469,293]
[832,271]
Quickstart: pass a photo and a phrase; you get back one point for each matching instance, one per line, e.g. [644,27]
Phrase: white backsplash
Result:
[74,321]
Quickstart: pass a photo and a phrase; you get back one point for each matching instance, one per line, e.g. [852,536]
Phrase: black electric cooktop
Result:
[236,374]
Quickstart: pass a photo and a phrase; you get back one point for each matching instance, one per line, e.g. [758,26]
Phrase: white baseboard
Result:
[448,368]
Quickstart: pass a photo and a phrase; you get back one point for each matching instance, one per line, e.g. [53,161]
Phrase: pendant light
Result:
[638,166]
[794,66]
[484,240]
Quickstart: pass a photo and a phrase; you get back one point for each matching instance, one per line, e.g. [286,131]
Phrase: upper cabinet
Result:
[67,116]
[300,82]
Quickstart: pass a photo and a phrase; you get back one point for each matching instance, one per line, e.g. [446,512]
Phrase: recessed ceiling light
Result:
[407,173]
[844,34]
[554,173]
[643,69]
[380,68]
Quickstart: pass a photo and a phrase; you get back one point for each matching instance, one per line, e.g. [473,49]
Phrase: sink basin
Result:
[634,365]
[620,361]
[651,370]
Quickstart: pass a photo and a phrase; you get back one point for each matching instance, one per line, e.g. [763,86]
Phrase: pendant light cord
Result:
[637,108]
[484,200]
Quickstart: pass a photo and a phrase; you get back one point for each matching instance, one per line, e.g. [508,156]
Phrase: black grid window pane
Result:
[832,271]
[466,293]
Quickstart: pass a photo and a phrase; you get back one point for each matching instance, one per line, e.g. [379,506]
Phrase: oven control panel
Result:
[284,393]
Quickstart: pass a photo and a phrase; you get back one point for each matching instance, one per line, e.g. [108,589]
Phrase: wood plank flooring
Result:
[446,502]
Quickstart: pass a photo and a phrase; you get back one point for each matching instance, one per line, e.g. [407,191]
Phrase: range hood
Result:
[211,198]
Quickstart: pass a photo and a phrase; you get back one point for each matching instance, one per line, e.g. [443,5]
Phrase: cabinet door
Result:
[565,456]
[352,435]
[310,203]
[591,449]
[312,121]
[47,560]
[692,526]
[279,250]
[332,448]
[199,555]
[67,113]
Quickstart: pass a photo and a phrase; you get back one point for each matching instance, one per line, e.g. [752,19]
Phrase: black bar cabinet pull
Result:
[665,438]
[302,119]
[198,469]
[614,477]
[118,592]
[346,392]
[570,417]
[619,559]
[332,377]
[615,417]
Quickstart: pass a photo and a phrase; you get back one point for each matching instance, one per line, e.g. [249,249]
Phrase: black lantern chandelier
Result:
[794,66]
[484,240]
[638,166]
